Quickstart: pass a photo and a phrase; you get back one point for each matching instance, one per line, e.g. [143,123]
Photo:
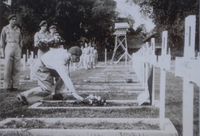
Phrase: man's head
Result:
[89,44]
[12,19]
[43,25]
[52,29]
[86,45]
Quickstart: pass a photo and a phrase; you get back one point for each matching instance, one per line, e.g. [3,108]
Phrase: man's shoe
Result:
[8,89]
[22,99]
[146,103]
[14,89]
[58,97]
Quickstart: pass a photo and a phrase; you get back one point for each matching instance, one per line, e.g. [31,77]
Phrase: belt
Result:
[13,42]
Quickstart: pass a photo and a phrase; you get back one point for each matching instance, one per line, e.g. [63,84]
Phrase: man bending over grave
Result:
[56,60]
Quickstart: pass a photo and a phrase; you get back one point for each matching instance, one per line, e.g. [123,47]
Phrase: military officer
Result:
[11,44]
[86,54]
[40,38]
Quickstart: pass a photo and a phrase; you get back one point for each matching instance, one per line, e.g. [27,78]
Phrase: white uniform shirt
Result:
[40,37]
[92,50]
[57,59]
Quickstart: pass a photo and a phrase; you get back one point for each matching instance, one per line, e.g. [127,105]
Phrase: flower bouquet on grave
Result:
[92,100]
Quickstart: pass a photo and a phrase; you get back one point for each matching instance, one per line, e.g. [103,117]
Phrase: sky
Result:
[131,9]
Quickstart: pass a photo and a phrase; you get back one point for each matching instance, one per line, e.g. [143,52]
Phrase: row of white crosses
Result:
[164,62]
[27,63]
[143,61]
[186,67]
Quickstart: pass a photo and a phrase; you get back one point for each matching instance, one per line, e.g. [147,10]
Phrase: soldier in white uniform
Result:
[81,60]
[91,62]
[86,53]
[11,44]
[55,60]
[95,57]
[40,39]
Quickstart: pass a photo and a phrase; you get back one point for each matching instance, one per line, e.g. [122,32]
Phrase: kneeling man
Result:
[56,60]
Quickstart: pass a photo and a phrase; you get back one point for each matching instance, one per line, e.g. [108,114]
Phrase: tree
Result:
[170,15]
[75,18]
[4,12]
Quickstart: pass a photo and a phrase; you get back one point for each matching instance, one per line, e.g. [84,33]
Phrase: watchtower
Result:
[121,41]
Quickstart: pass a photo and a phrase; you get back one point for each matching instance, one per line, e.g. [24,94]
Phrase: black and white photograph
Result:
[99,68]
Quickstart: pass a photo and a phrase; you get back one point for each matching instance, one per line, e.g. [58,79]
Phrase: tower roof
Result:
[122,25]
[120,32]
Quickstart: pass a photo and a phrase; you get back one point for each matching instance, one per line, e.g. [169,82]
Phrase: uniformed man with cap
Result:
[11,44]
[41,37]
[54,36]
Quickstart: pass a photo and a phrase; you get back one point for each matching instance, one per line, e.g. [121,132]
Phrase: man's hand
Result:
[78,97]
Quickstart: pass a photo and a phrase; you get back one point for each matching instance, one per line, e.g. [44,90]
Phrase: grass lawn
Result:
[174,103]
[174,92]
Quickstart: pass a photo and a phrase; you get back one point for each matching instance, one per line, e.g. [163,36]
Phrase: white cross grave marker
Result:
[153,62]
[164,62]
[188,67]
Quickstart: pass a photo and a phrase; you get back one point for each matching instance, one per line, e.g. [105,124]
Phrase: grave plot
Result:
[111,84]
[114,109]
[116,74]
[110,104]
[121,116]
[114,93]
[86,126]
[128,95]
[111,87]
[118,95]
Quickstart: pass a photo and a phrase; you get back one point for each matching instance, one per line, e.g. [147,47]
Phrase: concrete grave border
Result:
[169,129]
[37,105]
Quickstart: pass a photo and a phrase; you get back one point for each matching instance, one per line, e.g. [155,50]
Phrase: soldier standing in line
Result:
[86,53]
[91,56]
[11,44]
[95,56]
[54,36]
[40,39]
[81,60]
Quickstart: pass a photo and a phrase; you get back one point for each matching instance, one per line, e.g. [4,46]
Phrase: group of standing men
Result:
[89,56]
[53,61]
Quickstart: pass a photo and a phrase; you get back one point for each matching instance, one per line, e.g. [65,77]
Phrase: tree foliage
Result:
[169,15]
[74,18]
[4,12]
